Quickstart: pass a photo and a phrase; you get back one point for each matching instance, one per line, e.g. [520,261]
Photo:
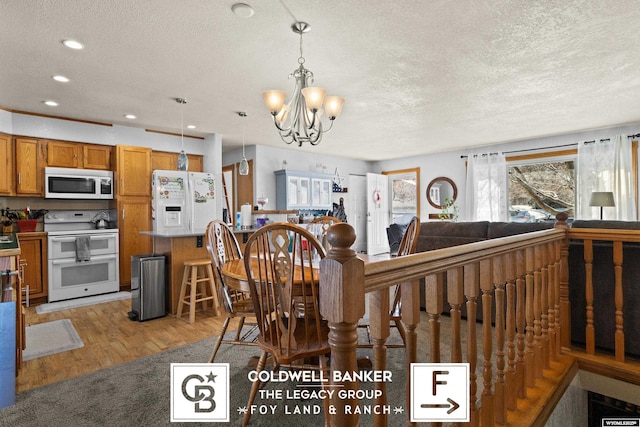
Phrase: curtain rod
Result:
[555,146]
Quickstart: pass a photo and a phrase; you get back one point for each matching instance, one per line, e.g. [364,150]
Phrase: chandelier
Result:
[305,109]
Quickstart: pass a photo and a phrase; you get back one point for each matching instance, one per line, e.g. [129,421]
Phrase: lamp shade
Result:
[333,106]
[601,198]
[274,99]
[313,97]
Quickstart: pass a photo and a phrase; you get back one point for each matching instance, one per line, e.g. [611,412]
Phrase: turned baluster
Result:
[511,387]
[342,304]
[537,309]
[563,314]
[588,268]
[529,361]
[544,305]
[487,407]
[498,281]
[455,299]
[618,295]
[551,303]
[520,324]
[433,289]
[379,330]
[471,291]
[410,298]
[556,298]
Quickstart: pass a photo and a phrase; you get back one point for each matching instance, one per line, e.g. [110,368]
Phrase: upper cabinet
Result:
[133,171]
[29,170]
[97,156]
[6,158]
[164,160]
[303,190]
[64,154]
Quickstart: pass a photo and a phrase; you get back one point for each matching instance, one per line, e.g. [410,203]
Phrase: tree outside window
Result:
[538,191]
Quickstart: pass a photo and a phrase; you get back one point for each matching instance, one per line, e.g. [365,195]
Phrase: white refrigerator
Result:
[182,202]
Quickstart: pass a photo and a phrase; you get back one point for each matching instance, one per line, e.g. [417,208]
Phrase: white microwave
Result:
[68,183]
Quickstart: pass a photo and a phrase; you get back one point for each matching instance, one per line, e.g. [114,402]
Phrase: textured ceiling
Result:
[418,76]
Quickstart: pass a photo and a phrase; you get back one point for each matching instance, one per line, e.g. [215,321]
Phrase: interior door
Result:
[377,213]
[356,210]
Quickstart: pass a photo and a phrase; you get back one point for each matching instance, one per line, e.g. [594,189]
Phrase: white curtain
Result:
[606,166]
[486,195]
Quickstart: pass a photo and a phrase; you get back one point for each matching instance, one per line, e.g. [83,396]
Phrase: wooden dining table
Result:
[235,275]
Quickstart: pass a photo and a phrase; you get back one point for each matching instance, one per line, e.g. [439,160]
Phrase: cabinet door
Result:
[6,158]
[133,169]
[196,163]
[28,167]
[64,154]
[33,254]
[97,156]
[164,161]
[135,216]
[324,199]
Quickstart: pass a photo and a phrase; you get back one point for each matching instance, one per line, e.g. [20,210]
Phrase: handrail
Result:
[526,342]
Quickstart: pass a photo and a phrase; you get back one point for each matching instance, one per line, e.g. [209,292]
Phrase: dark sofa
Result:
[442,234]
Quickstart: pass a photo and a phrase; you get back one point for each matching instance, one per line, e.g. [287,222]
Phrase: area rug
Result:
[48,338]
[81,302]
[137,393]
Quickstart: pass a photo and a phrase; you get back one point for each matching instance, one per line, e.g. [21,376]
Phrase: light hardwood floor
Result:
[110,338]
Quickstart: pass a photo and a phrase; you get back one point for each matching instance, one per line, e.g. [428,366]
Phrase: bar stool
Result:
[197,272]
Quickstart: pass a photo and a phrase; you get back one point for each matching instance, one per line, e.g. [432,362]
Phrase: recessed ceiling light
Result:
[243,10]
[73,44]
[191,126]
[130,116]
[60,78]
[50,103]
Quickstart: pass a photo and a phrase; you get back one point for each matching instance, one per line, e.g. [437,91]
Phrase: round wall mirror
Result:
[439,190]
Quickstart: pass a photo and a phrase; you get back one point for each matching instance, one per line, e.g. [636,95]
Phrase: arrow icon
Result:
[452,405]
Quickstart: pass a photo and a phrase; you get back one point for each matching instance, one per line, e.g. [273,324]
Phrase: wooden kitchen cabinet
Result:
[63,154]
[163,160]
[6,158]
[196,163]
[133,171]
[29,171]
[33,254]
[96,156]
[134,217]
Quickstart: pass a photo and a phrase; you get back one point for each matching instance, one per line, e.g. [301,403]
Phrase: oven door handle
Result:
[64,239]
[74,261]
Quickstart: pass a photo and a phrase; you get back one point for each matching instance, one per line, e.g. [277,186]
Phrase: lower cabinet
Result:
[33,266]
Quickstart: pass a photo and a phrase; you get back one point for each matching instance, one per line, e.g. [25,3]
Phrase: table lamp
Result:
[601,198]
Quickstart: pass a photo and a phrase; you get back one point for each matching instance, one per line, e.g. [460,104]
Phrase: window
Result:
[405,193]
[541,188]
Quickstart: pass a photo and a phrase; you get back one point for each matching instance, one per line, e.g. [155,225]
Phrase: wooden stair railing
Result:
[519,278]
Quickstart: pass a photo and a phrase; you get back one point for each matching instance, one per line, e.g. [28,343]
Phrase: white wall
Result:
[451,165]
[266,160]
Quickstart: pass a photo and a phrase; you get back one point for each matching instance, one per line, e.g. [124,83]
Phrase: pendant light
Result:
[183,160]
[244,163]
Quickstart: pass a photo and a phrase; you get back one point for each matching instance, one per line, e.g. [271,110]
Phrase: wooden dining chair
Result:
[319,227]
[407,246]
[282,264]
[223,247]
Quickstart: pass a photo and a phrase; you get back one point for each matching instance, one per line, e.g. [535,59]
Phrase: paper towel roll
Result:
[245,211]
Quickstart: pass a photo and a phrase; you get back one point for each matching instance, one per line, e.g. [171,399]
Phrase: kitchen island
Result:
[177,248]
